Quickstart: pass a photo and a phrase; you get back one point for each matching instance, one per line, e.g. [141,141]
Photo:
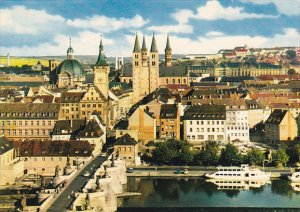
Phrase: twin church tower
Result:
[145,70]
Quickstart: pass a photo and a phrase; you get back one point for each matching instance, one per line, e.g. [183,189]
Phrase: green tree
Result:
[172,152]
[291,54]
[291,71]
[255,157]
[163,154]
[185,153]
[294,153]
[280,157]
[210,154]
[230,156]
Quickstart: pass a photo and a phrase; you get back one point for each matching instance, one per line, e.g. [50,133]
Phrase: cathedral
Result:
[146,73]
[69,73]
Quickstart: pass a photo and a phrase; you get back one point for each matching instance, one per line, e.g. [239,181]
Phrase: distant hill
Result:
[86,59]
[91,59]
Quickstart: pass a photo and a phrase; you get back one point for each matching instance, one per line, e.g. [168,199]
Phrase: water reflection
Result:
[197,192]
[237,184]
[295,186]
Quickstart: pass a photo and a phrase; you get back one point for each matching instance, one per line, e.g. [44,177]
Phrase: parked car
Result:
[86,174]
[103,154]
[186,171]
[178,171]
[130,170]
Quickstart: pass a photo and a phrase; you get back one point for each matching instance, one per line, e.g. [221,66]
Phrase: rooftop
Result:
[5,145]
[126,140]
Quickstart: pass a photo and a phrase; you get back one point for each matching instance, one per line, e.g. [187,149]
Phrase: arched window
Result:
[178,81]
[173,81]
[167,80]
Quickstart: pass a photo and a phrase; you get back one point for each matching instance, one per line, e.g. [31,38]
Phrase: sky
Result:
[43,28]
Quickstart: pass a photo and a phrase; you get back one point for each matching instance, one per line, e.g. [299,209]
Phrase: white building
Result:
[11,167]
[257,113]
[205,123]
[237,123]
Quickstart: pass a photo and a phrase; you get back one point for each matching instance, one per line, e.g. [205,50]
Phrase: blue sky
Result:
[36,28]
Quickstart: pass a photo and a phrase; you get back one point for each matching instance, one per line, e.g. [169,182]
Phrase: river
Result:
[198,192]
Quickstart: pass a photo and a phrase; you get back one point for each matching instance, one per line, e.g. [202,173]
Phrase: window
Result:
[191,129]
[211,137]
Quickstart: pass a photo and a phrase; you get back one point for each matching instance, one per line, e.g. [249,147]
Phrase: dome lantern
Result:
[70,52]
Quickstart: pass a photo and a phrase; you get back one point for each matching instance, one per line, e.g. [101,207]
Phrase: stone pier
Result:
[100,193]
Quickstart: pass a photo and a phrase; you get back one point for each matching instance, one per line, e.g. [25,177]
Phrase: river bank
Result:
[195,171]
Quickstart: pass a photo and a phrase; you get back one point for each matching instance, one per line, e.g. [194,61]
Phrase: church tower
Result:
[101,71]
[144,53]
[168,53]
[153,66]
[70,52]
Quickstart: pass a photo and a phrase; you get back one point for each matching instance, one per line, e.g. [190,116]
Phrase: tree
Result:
[255,157]
[294,153]
[172,152]
[163,154]
[210,154]
[280,157]
[291,71]
[230,156]
[185,154]
[291,54]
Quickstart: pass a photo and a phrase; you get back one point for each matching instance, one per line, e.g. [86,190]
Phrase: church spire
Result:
[144,48]
[168,53]
[70,52]
[168,46]
[101,57]
[153,44]
[136,48]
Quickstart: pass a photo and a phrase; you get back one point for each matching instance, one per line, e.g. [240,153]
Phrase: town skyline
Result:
[203,27]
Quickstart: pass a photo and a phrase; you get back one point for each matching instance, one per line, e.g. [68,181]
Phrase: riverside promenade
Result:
[195,171]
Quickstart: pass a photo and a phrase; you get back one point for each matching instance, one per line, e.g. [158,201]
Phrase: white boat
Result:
[238,184]
[238,173]
[295,177]
[295,186]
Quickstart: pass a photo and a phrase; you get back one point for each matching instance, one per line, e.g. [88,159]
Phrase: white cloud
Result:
[213,10]
[183,16]
[214,33]
[106,24]
[21,20]
[286,7]
[180,28]
[87,43]
[212,44]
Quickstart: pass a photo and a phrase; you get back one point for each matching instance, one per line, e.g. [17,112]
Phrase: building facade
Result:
[11,167]
[280,126]
[24,121]
[169,122]
[127,149]
[205,123]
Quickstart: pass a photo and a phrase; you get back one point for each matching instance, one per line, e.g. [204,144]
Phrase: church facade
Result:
[146,73]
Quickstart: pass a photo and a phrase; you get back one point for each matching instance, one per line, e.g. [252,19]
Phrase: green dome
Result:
[73,67]
[70,50]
